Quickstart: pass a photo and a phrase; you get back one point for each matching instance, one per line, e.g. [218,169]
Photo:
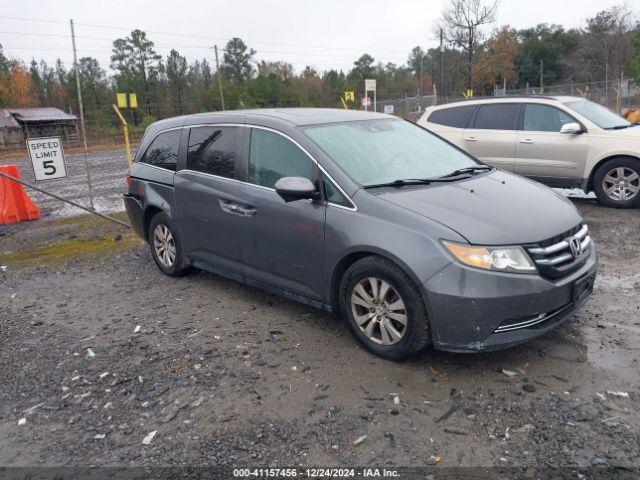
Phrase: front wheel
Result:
[384,308]
[617,183]
[166,246]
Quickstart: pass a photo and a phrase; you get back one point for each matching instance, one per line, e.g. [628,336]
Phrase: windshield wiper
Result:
[463,171]
[620,127]
[411,181]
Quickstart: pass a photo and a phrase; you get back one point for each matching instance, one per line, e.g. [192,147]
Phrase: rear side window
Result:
[213,150]
[452,117]
[544,118]
[273,156]
[499,116]
[163,151]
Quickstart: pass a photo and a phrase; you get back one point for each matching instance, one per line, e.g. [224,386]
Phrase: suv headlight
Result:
[500,259]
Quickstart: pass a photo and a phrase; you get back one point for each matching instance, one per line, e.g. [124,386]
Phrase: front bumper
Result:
[473,310]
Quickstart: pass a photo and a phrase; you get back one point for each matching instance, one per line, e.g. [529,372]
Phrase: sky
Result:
[321,33]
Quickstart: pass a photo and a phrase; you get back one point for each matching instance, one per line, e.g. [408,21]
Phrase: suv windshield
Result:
[601,116]
[375,152]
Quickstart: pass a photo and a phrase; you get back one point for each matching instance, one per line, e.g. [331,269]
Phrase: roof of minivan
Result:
[296,116]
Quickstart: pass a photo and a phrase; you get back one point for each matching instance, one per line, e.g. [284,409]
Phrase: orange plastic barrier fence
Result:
[15,204]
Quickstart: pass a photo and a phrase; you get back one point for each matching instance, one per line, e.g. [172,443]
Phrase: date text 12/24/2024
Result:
[315,473]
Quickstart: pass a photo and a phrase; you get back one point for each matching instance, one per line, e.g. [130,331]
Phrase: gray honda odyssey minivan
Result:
[408,238]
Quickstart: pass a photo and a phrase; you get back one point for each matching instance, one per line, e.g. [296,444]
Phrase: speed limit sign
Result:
[47,158]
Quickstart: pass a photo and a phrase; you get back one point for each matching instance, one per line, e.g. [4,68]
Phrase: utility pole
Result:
[441,55]
[215,48]
[541,72]
[420,87]
[81,108]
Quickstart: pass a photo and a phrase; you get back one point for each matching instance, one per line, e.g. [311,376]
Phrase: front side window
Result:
[334,195]
[381,151]
[163,151]
[457,117]
[498,116]
[213,150]
[544,118]
[273,156]
[601,116]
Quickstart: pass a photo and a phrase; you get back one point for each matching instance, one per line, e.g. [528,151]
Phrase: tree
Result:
[282,70]
[462,21]
[604,46]
[236,61]
[176,70]
[133,57]
[93,81]
[496,63]
[363,67]
[549,43]
[16,85]
[633,64]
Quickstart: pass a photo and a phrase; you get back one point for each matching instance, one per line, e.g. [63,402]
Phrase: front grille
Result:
[563,254]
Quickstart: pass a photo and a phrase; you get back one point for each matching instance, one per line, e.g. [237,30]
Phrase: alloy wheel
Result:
[164,245]
[621,184]
[379,310]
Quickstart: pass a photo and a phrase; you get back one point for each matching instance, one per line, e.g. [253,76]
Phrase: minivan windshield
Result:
[376,152]
[601,116]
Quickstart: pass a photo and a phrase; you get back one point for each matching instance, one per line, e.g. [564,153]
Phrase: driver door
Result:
[542,151]
[285,243]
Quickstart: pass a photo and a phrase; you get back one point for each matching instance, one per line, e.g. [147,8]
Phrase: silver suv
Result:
[560,141]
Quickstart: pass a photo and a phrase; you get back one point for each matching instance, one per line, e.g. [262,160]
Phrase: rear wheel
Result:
[384,308]
[166,246]
[617,183]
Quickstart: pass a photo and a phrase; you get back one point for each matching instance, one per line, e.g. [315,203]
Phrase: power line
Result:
[204,37]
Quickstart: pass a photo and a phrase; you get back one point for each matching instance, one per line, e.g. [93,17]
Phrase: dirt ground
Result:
[98,349]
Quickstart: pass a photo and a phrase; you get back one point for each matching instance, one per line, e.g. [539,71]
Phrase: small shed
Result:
[45,122]
[9,129]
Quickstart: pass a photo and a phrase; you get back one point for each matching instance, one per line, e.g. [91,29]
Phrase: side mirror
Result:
[571,128]
[295,188]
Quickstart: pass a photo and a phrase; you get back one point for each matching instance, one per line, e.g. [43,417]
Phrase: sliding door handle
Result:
[526,140]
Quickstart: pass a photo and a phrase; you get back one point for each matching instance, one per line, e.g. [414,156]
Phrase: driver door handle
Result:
[470,139]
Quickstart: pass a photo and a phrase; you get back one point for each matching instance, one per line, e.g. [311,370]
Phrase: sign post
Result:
[47,158]
[370,86]
[125,129]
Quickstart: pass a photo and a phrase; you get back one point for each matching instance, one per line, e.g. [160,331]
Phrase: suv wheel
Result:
[617,183]
[384,308]
[166,246]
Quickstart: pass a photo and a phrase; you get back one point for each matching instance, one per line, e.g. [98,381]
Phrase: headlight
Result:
[500,259]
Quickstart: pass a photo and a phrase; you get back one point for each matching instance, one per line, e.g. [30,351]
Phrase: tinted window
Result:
[163,151]
[273,156]
[334,196]
[213,150]
[452,117]
[497,117]
[543,118]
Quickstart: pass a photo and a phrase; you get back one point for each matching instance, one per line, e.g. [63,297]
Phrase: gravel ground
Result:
[98,350]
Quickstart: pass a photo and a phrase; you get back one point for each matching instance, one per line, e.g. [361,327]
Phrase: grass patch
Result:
[67,249]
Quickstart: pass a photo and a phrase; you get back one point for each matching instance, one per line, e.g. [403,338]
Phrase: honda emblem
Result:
[576,246]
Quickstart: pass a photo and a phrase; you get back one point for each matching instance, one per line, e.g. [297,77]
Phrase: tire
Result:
[172,265]
[628,192]
[414,334]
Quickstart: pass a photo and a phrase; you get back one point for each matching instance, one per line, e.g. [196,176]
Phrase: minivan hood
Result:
[497,208]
